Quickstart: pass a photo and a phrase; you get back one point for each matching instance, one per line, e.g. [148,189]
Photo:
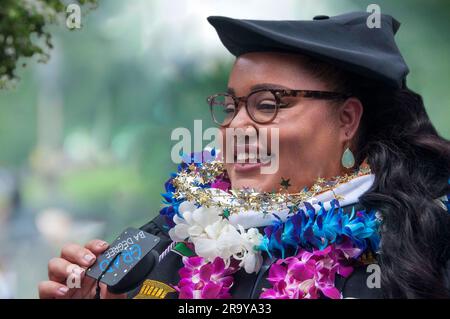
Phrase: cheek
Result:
[306,133]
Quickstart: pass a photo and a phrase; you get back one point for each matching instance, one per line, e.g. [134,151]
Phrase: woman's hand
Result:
[69,270]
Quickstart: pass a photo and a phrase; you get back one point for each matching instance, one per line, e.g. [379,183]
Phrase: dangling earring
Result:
[348,160]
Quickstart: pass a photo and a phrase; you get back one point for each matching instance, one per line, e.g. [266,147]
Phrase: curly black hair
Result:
[411,164]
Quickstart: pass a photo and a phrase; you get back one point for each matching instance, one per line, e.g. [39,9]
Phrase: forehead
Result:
[284,69]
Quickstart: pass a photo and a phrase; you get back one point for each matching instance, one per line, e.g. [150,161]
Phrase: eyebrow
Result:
[265,86]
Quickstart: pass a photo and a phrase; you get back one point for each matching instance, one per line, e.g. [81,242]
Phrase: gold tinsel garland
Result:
[189,181]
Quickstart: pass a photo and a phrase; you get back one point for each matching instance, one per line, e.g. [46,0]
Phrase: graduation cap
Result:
[345,41]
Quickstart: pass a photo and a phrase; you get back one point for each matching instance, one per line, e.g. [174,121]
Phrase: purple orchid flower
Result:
[309,275]
[222,184]
[205,280]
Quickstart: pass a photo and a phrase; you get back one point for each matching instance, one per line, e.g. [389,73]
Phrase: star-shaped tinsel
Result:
[285,183]
[225,214]
[193,184]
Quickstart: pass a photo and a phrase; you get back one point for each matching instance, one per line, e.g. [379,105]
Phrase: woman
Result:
[375,170]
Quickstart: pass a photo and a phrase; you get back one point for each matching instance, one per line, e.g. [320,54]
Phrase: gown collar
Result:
[348,193]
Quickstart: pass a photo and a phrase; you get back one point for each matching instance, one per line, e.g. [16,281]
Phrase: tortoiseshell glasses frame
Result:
[262,113]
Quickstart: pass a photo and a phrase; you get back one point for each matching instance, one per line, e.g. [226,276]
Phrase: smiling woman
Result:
[358,207]
[309,129]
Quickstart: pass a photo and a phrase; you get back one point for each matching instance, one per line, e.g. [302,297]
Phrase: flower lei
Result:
[311,246]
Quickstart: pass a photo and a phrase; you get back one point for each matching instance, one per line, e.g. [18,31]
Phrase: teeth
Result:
[252,158]
[242,156]
[265,159]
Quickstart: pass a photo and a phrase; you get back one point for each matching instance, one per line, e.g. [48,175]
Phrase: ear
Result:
[350,114]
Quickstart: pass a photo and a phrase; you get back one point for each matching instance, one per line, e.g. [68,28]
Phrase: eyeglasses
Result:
[261,105]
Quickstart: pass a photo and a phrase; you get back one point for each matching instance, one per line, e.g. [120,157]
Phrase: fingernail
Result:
[102,244]
[88,258]
[63,290]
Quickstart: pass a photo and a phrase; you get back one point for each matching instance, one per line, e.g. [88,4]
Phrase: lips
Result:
[248,158]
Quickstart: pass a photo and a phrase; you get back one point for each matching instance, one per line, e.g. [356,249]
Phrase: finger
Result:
[59,269]
[78,255]
[89,285]
[97,246]
[52,290]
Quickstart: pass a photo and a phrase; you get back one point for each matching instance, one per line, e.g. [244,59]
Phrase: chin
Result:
[252,178]
[259,184]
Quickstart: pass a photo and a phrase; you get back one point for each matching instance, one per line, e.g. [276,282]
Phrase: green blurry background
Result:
[85,139]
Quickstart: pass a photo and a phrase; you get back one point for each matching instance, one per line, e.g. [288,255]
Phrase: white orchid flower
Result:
[194,221]
[213,236]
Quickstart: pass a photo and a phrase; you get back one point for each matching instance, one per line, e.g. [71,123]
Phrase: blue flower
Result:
[309,229]
[172,203]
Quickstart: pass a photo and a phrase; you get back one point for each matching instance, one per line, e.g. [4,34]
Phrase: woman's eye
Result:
[266,106]
[229,109]
[284,105]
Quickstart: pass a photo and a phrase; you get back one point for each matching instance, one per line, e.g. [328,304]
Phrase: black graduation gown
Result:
[246,286]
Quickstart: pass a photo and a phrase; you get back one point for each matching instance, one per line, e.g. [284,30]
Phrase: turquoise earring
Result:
[348,160]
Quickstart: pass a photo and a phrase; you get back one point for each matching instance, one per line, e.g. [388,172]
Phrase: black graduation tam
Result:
[344,40]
